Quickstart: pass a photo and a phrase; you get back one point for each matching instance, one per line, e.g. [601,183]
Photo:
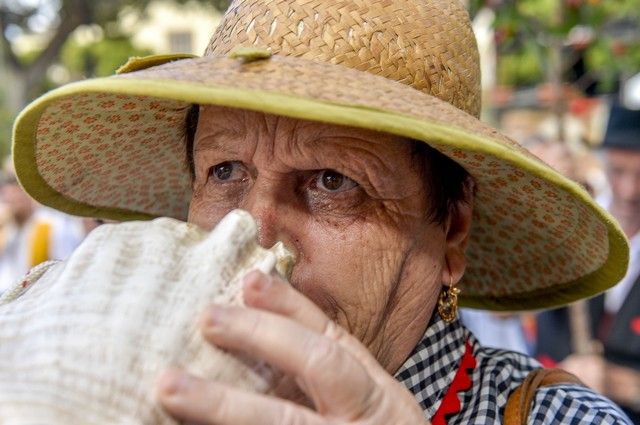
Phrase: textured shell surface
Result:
[82,341]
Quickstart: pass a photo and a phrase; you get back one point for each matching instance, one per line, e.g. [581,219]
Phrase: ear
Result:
[458,229]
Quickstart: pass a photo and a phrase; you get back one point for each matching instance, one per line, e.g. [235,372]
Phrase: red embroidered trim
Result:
[461,382]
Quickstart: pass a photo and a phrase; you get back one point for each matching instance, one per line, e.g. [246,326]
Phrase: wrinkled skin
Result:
[352,205]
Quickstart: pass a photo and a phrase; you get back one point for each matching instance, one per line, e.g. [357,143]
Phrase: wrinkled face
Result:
[623,172]
[350,203]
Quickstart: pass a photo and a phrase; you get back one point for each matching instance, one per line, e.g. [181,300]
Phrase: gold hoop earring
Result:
[448,302]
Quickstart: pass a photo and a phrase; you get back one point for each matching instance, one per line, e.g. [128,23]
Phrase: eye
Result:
[334,182]
[228,171]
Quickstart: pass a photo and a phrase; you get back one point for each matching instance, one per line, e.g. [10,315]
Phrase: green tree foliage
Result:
[25,76]
[603,34]
[6,123]
[100,58]
[22,16]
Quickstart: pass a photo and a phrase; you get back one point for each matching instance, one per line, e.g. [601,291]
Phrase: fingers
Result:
[332,378]
[195,400]
[284,328]
[269,293]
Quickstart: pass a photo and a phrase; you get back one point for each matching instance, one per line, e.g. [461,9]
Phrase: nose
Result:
[268,203]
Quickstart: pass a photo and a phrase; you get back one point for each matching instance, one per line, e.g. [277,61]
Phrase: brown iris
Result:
[223,170]
[332,180]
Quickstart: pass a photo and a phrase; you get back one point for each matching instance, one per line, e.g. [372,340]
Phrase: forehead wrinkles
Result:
[378,158]
[277,137]
[240,131]
[281,140]
[383,163]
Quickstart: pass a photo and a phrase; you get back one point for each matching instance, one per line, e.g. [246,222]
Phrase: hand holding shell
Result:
[85,341]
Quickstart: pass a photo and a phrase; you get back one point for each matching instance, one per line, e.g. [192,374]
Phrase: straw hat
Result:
[113,147]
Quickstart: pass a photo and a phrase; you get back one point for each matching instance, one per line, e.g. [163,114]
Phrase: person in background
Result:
[516,331]
[613,367]
[31,233]
[497,330]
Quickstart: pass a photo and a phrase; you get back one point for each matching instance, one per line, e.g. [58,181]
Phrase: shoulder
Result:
[505,369]
[555,404]
[574,405]
[499,372]
[496,375]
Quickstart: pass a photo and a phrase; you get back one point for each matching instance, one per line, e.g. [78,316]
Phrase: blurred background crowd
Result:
[562,77]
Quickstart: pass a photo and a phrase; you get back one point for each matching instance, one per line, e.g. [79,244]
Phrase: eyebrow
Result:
[212,141]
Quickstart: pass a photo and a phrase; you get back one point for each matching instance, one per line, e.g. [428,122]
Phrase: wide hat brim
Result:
[113,148]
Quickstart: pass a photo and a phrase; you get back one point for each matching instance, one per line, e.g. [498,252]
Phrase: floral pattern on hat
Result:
[112,150]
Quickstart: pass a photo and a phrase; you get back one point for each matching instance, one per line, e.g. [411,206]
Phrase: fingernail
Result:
[173,381]
[258,281]
[216,316]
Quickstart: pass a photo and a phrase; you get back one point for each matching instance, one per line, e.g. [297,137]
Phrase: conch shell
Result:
[83,341]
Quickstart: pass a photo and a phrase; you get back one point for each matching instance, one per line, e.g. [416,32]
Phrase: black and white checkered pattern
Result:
[430,370]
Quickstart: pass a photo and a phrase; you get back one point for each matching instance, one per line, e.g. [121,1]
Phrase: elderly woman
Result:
[349,130]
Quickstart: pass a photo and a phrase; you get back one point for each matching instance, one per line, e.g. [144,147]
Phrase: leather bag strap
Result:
[519,403]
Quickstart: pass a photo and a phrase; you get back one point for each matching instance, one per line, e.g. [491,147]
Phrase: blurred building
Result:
[167,27]
[164,27]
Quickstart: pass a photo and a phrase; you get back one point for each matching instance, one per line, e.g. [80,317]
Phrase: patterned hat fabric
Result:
[114,147]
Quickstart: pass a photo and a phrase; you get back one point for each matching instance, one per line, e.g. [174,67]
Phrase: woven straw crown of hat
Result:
[114,147]
[427,45]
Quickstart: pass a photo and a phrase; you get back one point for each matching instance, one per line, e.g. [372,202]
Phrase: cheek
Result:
[206,212]
[351,272]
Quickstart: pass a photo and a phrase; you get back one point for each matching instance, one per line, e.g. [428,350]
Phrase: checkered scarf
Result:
[430,369]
